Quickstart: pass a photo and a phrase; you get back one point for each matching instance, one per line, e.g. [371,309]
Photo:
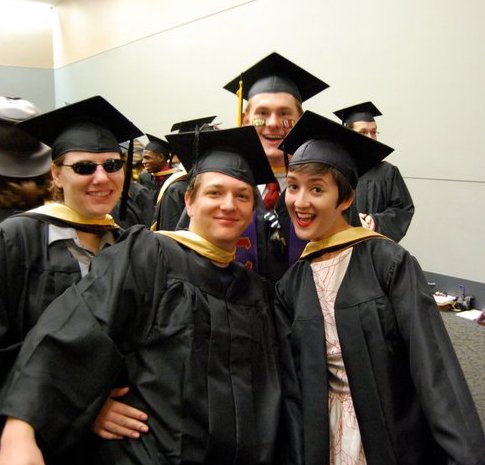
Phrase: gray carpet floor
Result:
[468,339]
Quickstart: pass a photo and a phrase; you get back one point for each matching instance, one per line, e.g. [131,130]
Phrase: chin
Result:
[273,154]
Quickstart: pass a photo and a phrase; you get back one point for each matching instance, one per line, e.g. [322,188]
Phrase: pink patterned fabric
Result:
[345,441]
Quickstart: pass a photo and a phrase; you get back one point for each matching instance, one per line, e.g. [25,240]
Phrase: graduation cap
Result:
[91,125]
[158,145]
[316,139]
[236,152]
[272,74]
[21,155]
[191,125]
[361,112]
[275,73]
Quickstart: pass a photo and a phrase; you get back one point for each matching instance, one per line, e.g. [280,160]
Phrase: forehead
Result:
[273,101]
[364,125]
[72,157]
[215,179]
[151,154]
[311,173]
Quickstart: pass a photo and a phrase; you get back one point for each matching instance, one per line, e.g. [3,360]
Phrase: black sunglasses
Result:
[86,168]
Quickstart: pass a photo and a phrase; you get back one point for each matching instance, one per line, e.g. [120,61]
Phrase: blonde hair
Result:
[57,192]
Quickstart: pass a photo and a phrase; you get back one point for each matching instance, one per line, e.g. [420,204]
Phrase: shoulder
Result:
[382,258]
[381,250]
[387,167]
[21,224]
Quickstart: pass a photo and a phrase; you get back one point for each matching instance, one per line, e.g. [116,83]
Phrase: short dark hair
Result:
[345,190]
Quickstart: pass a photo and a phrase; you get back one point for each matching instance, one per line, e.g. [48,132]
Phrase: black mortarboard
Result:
[191,125]
[236,152]
[158,145]
[277,74]
[316,139]
[21,155]
[361,112]
[91,125]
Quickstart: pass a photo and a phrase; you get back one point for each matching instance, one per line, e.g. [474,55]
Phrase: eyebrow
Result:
[222,186]
[311,178]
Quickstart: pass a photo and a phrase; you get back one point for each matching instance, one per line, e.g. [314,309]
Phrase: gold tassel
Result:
[239,94]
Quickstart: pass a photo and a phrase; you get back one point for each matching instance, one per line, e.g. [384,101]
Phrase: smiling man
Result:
[192,329]
[275,89]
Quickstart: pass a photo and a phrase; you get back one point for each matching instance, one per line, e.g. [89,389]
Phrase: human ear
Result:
[56,175]
[188,204]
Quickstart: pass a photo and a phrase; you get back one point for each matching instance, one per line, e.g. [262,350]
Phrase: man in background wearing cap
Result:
[383,201]
[156,156]
[24,161]
[191,328]
[275,89]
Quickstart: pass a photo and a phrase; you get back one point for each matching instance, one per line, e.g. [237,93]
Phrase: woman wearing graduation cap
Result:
[192,328]
[45,250]
[369,374]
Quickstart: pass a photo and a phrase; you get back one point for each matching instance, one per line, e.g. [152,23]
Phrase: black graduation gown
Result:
[197,342]
[139,207]
[411,399]
[382,193]
[31,277]
[148,181]
[169,210]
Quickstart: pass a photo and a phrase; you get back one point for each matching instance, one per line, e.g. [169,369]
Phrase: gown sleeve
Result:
[75,352]
[8,261]
[394,218]
[440,384]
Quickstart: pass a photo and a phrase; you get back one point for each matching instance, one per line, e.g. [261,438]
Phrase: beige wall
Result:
[26,34]
[420,61]
[88,27]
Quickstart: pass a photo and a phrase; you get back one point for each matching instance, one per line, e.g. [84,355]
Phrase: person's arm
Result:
[109,310]
[367,221]
[117,420]
[440,384]
[394,220]
[18,445]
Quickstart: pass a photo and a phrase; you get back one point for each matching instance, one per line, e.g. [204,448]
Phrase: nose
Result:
[300,198]
[100,175]
[228,202]
[272,120]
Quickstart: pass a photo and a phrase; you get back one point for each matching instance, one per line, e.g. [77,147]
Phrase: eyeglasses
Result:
[372,133]
[286,123]
[85,168]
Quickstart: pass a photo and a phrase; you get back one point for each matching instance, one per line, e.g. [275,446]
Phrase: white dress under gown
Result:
[345,441]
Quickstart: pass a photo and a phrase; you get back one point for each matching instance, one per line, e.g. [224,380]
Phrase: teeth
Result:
[273,137]
[99,194]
